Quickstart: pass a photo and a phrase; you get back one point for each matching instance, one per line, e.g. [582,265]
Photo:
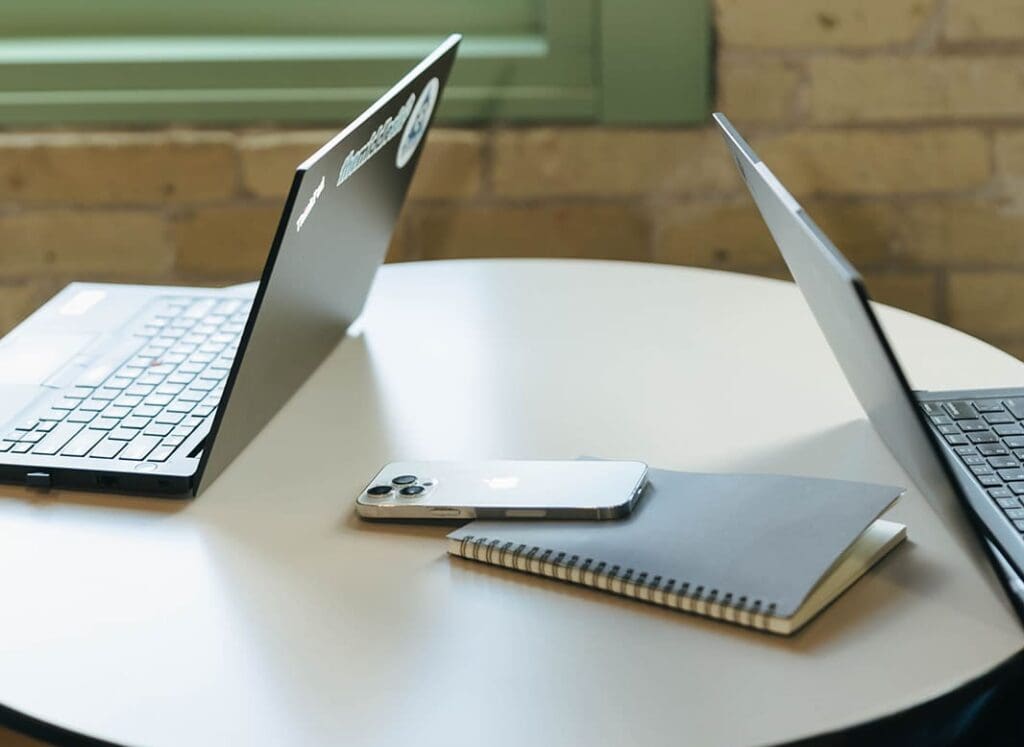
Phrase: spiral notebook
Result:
[764,551]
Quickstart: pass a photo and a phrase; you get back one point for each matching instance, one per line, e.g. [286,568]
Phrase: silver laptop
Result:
[155,389]
[964,449]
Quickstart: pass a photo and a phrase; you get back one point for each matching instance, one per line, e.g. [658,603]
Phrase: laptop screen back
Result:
[835,292]
[333,235]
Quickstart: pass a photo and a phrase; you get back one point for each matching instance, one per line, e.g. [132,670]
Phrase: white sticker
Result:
[416,127]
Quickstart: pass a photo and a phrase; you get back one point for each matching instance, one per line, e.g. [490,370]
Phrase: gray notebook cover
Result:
[764,537]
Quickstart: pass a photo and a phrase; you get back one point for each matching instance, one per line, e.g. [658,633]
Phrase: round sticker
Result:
[416,127]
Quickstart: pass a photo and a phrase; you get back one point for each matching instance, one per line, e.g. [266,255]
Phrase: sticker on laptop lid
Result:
[416,127]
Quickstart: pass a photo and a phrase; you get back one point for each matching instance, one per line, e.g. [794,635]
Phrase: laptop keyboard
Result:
[988,437]
[145,406]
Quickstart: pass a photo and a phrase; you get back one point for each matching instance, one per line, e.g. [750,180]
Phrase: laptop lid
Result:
[839,301]
[334,232]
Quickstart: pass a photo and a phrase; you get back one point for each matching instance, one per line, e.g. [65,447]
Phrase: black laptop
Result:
[964,449]
[155,389]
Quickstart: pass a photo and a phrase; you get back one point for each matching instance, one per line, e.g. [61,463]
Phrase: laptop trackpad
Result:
[32,359]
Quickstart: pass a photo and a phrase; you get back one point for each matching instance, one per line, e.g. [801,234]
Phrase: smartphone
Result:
[583,489]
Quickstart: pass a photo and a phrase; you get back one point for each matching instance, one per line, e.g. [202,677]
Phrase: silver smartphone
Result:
[583,489]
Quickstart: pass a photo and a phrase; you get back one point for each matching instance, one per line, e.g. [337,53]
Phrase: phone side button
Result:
[444,512]
[526,513]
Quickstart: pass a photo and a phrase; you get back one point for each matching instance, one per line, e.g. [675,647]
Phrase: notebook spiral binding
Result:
[684,596]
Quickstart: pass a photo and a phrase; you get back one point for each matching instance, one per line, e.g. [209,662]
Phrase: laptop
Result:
[156,389]
[964,449]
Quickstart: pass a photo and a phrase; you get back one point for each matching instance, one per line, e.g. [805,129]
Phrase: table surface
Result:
[265,612]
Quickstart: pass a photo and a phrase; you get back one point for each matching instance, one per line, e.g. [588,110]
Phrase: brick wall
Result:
[899,123]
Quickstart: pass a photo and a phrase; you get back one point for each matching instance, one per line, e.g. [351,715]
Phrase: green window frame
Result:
[202,61]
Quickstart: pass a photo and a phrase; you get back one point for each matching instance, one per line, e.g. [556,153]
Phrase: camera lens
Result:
[379,490]
[404,480]
[411,490]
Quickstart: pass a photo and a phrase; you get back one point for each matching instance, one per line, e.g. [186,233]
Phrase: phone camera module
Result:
[379,490]
[404,480]
[411,490]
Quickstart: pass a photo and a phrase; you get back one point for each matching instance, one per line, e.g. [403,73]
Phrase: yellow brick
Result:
[732,236]
[226,242]
[877,162]
[893,89]
[984,20]
[449,167]
[962,233]
[987,304]
[820,23]
[17,302]
[116,168]
[756,90]
[728,236]
[269,159]
[1014,347]
[602,161]
[402,247]
[597,231]
[917,292]
[114,243]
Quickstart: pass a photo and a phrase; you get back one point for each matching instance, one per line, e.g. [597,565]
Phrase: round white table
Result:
[265,612]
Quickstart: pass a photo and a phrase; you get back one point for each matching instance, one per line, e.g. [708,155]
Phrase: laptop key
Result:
[158,429]
[104,424]
[1012,475]
[973,459]
[991,450]
[1019,524]
[33,437]
[55,439]
[180,406]
[1014,513]
[987,405]
[203,411]
[996,418]
[135,422]
[1016,406]
[1016,487]
[160,454]
[981,469]
[1008,503]
[1003,462]
[972,425]
[20,448]
[160,400]
[123,434]
[990,481]
[116,411]
[169,418]
[980,437]
[108,449]
[80,444]
[46,426]
[956,439]
[960,410]
[1001,494]
[1009,430]
[127,400]
[139,447]
[64,403]
[966,450]
[81,416]
[146,411]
